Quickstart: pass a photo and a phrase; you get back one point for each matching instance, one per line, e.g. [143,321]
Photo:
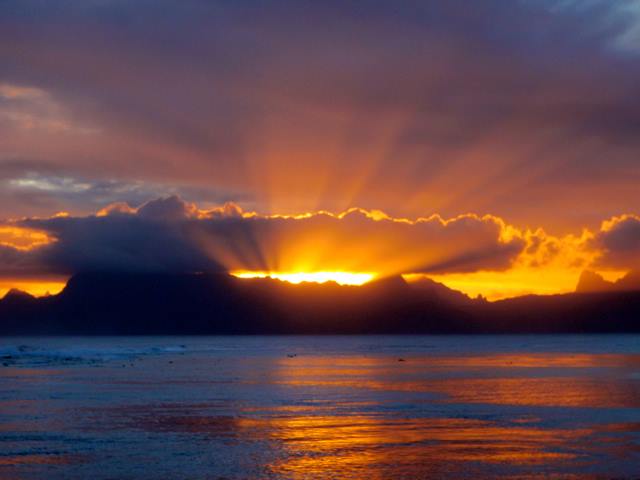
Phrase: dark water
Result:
[517,407]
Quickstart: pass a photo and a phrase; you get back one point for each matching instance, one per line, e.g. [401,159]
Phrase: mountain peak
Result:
[17,293]
[631,281]
[426,284]
[590,282]
[220,304]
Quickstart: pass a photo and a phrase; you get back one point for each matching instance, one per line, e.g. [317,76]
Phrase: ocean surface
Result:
[307,407]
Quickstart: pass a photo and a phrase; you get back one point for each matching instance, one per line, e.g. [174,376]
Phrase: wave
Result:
[29,354]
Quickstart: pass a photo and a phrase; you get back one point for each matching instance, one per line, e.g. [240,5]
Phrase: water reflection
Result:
[535,380]
[308,445]
[348,415]
[375,447]
[378,446]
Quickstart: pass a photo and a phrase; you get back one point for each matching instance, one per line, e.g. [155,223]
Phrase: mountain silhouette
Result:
[149,303]
[593,282]
[16,295]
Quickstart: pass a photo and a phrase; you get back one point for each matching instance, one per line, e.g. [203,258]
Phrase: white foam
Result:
[25,353]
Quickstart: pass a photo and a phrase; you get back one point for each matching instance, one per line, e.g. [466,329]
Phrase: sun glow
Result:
[341,278]
[37,288]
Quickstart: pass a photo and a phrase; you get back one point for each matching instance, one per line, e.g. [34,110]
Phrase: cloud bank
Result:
[171,235]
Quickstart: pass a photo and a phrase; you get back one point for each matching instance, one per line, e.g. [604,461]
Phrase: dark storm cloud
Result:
[118,243]
[412,107]
[171,235]
[619,241]
[16,263]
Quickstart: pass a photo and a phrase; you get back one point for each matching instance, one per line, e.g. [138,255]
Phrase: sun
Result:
[341,278]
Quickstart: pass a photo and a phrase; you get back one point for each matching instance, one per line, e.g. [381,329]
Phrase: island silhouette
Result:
[117,303]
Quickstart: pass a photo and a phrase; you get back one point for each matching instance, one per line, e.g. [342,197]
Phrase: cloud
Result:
[13,92]
[473,253]
[27,109]
[525,109]
[171,235]
[36,188]
[166,209]
[17,262]
[619,242]
[118,242]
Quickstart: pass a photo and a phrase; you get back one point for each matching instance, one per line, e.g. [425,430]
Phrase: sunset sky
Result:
[492,145]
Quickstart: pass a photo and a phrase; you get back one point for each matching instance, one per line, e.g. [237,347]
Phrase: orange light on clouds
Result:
[475,254]
[341,278]
[22,238]
[323,246]
[548,265]
[26,239]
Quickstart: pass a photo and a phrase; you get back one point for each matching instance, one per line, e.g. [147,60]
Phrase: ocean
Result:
[320,407]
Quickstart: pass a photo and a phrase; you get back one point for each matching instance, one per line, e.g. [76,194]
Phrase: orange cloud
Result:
[547,265]
[477,254]
[22,238]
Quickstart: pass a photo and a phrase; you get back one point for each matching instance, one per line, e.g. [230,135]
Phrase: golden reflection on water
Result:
[548,392]
[525,360]
[376,448]
[333,444]
[356,435]
[505,379]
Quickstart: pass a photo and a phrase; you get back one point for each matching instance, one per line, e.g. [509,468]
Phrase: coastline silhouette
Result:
[149,303]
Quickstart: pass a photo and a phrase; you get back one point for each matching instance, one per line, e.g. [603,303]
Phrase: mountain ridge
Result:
[149,303]
[591,282]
